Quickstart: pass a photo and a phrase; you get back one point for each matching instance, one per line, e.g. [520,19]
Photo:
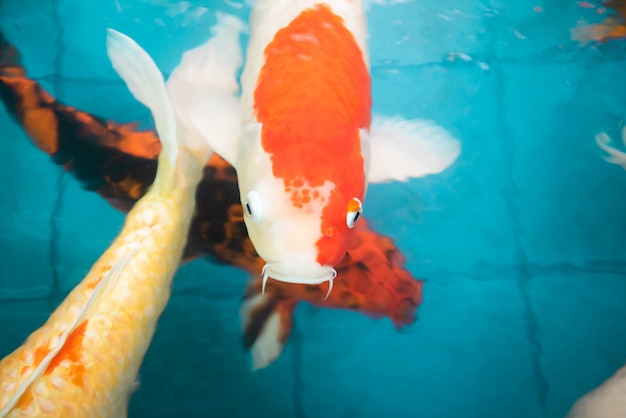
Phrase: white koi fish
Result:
[84,360]
[302,138]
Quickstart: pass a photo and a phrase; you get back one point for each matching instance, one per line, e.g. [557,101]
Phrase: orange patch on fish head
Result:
[338,218]
[312,99]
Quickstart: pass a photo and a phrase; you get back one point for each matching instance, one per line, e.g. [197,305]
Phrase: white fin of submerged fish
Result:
[402,149]
[204,88]
[606,401]
[100,292]
[615,156]
[145,82]
[267,346]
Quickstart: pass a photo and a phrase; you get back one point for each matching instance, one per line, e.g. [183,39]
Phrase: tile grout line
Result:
[523,274]
[57,208]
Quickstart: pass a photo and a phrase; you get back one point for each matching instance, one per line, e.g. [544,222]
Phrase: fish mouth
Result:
[328,276]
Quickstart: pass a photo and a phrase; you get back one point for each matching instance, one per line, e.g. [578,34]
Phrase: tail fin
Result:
[204,88]
[146,83]
[267,321]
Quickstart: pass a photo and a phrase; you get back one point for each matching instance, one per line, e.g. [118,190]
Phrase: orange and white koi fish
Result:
[84,360]
[615,156]
[302,138]
[306,103]
[606,401]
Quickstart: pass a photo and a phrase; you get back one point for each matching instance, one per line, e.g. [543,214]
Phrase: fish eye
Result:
[254,205]
[355,209]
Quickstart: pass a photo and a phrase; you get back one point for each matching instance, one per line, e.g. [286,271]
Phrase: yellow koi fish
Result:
[84,360]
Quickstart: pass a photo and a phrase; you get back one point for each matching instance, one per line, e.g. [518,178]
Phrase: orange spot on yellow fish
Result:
[25,400]
[312,97]
[38,355]
[103,271]
[92,285]
[72,351]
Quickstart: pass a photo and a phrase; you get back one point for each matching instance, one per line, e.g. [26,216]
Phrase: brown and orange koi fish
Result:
[613,27]
[120,163]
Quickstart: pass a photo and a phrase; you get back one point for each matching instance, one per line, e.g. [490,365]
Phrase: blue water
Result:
[522,242]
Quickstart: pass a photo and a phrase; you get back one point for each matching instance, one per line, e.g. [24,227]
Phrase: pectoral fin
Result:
[204,89]
[401,149]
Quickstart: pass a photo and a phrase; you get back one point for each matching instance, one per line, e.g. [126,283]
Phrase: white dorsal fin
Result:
[401,149]
[146,83]
[101,291]
[204,88]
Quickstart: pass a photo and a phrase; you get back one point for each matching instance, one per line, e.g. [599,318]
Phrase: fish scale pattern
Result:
[116,332]
[521,242]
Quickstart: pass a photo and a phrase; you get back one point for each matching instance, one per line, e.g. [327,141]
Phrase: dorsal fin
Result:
[203,89]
